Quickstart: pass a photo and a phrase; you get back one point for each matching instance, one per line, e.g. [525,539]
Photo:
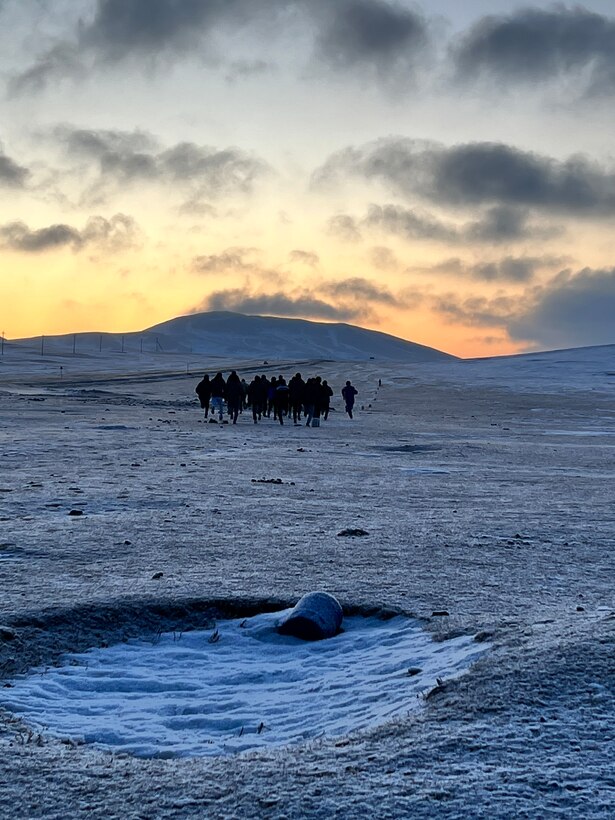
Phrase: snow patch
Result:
[241,686]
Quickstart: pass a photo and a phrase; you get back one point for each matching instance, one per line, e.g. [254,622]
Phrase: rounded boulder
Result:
[317,616]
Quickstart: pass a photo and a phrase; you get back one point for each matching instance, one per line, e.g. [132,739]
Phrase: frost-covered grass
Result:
[474,504]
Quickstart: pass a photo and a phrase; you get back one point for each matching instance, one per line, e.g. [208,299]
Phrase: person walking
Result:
[203,391]
[325,399]
[348,394]
[296,389]
[218,391]
[234,395]
[254,398]
[281,399]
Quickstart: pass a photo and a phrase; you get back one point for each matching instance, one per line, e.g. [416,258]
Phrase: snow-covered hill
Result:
[224,334]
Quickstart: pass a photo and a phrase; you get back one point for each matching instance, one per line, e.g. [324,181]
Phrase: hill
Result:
[234,335]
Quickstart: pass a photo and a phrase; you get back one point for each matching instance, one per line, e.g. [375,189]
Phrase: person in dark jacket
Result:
[325,399]
[203,391]
[296,388]
[255,398]
[311,399]
[271,397]
[281,399]
[218,391]
[348,393]
[234,395]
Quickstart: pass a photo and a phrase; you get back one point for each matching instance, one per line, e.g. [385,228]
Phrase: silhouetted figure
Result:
[218,391]
[296,389]
[348,394]
[281,399]
[255,400]
[311,397]
[325,399]
[203,391]
[271,397]
[234,395]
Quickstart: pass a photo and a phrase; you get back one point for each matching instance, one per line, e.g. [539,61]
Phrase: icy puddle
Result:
[241,686]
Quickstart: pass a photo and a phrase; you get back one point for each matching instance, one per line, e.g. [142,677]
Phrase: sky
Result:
[441,171]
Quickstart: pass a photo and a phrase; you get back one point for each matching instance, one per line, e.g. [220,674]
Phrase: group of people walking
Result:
[300,400]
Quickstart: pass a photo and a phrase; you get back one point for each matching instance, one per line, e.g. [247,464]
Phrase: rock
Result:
[7,634]
[439,613]
[353,533]
[157,575]
[76,512]
[318,615]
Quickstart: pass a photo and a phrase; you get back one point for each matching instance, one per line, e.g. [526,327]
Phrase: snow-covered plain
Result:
[241,686]
[486,490]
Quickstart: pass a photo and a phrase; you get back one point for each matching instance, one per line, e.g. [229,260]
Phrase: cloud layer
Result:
[114,234]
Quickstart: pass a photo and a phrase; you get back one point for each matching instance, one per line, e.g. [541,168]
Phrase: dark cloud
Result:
[111,235]
[278,304]
[501,224]
[360,289]
[384,36]
[571,310]
[123,157]
[476,311]
[480,175]
[12,175]
[231,260]
[510,269]
[409,224]
[533,45]
[125,28]
[16,236]
[308,258]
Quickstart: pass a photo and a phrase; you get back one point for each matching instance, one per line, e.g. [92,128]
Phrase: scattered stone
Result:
[127,543]
[580,609]
[439,613]
[317,616]
[357,532]
[413,671]
[7,634]
[267,481]
[76,512]
[157,576]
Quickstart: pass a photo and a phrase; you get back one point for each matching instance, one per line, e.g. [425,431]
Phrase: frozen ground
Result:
[486,490]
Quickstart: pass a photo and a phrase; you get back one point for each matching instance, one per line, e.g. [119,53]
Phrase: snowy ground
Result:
[486,489]
[239,686]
